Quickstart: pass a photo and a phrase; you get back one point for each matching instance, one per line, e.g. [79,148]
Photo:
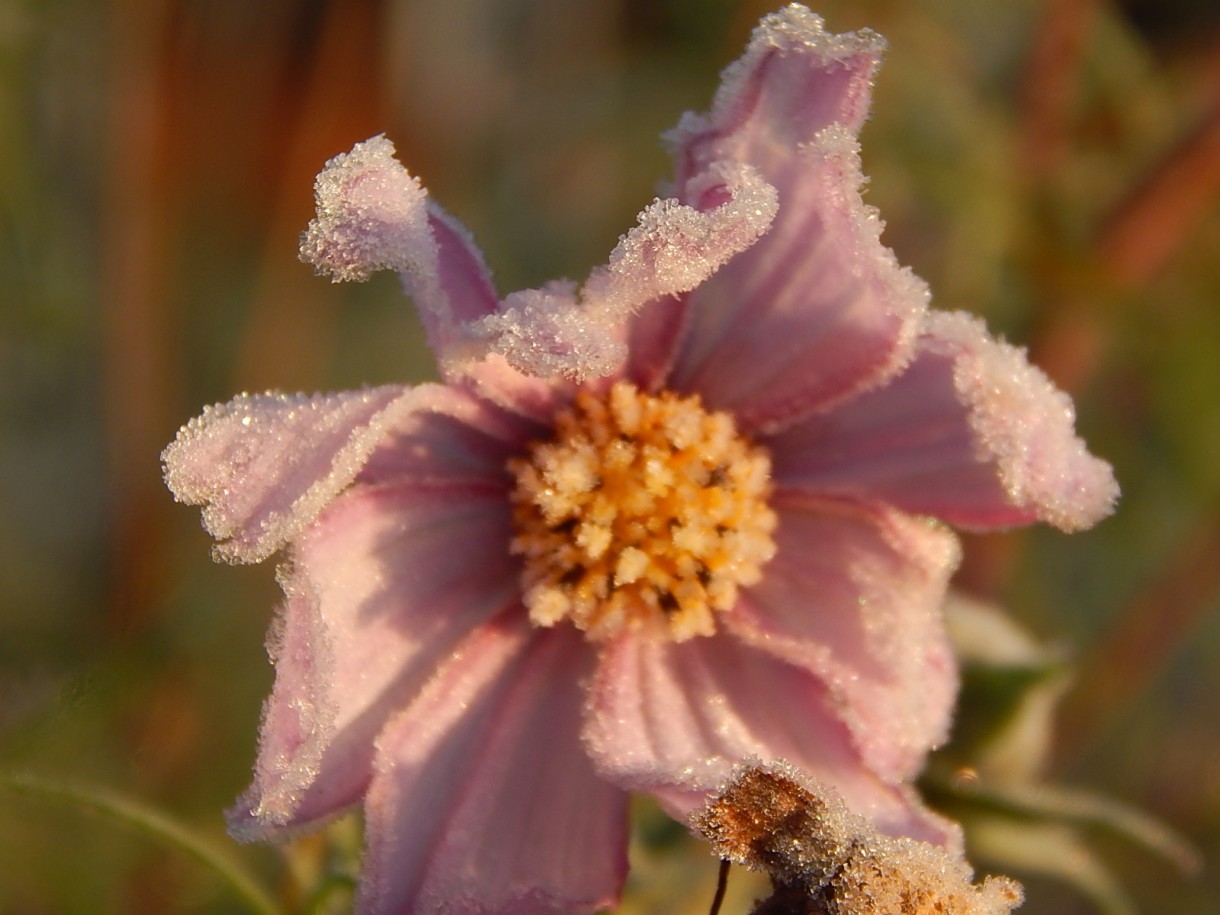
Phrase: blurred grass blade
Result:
[1082,808]
[149,822]
[1051,850]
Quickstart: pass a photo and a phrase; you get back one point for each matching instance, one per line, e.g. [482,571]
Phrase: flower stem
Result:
[149,822]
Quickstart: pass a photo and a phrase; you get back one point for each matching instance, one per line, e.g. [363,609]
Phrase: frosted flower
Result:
[645,528]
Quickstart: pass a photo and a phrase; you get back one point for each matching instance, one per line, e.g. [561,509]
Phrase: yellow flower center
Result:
[643,511]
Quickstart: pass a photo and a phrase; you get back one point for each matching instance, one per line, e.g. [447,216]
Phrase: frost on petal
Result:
[1025,426]
[371,216]
[264,465]
[544,333]
[818,309]
[853,595]
[553,332]
[674,718]
[794,80]
[675,247]
[483,800]
[378,593]
[970,433]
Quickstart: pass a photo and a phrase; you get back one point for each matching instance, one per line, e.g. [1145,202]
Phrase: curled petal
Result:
[545,333]
[794,80]
[676,247]
[483,799]
[264,465]
[674,718]
[371,216]
[673,248]
[853,595]
[970,433]
[379,592]
[818,309]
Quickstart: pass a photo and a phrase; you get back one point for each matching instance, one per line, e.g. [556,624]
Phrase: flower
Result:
[644,529]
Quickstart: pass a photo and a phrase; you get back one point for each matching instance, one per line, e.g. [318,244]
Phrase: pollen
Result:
[642,511]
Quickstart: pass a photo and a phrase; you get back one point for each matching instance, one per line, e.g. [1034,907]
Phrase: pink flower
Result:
[645,529]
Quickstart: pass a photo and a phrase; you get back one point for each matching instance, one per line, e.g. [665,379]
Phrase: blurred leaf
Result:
[1049,850]
[156,825]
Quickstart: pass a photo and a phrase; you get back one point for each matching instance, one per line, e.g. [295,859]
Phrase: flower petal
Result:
[674,718]
[673,248]
[853,595]
[970,433]
[263,466]
[484,800]
[379,592]
[452,436]
[818,309]
[372,215]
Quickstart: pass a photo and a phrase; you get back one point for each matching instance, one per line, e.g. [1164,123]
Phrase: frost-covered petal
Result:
[484,801]
[264,465]
[970,433]
[818,308]
[674,718]
[546,333]
[379,592]
[853,595]
[673,248]
[455,436]
[371,216]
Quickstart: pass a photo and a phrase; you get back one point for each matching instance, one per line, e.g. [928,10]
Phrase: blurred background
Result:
[1053,165]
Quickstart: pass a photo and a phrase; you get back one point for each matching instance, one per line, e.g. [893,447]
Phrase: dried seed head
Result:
[824,859]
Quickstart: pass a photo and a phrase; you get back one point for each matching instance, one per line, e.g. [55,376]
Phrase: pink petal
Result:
[853,595]
[674,718]
[452,436]
[372,215]
[379,592]
[263,466]
[461,273]
[484,801]
[970,433]
[818,309]
[549,332]
[673,250]
[527,396]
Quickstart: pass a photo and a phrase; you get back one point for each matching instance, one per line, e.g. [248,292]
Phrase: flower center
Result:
[642,510]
